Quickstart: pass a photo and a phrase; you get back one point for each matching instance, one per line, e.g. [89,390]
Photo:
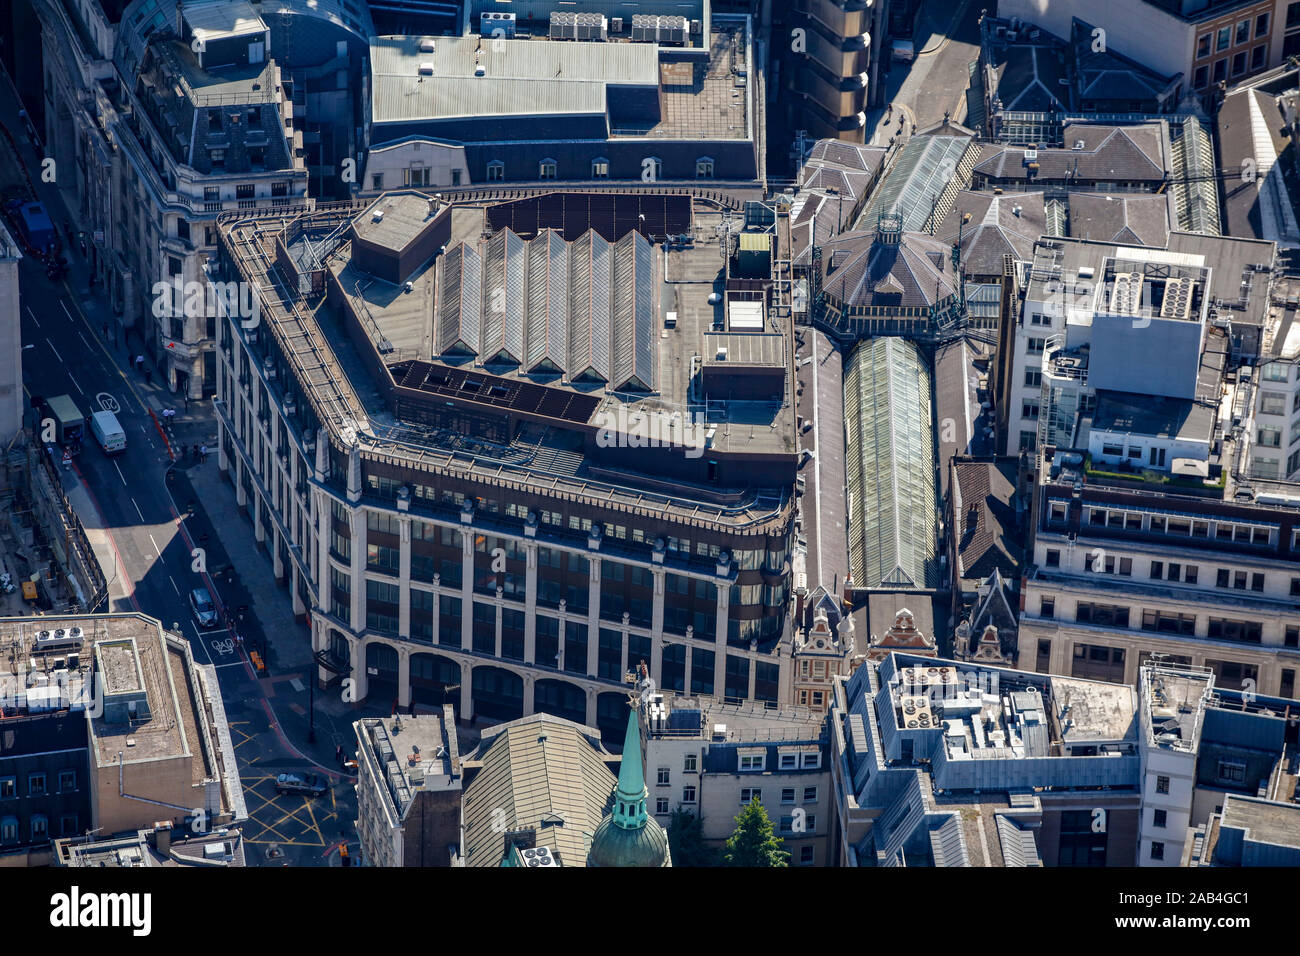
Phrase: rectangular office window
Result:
[688,794]
[787,795]
[1224,39]
[661,805]
[1162,784]
[1159,818]
[749,794]
[662,778]
[1157,850]
[752,762]
[36,785]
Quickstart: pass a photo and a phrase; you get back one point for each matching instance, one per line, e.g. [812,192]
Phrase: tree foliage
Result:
[753,842]
[686,841]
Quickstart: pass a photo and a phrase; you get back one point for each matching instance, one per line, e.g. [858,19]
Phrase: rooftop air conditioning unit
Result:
[539,856]
[491,23]
[427,46]
[426,69]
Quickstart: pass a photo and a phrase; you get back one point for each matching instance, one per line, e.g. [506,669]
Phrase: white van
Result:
[108,432]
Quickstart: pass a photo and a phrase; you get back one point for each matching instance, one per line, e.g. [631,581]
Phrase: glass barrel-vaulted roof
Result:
[924,168]
[890,464]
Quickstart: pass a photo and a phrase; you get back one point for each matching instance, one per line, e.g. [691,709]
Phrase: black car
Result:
[205,611]
[308,784]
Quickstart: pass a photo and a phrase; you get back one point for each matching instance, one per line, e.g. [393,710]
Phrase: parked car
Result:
[205,611]
[308,784]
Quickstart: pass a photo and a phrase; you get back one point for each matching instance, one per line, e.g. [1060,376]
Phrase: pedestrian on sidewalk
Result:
[185,396]
[203,454]
[139,363]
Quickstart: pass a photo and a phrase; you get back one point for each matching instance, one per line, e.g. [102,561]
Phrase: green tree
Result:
[686,841]
[753,842]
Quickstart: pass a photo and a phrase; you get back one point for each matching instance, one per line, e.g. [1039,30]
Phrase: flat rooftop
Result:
[1264,820]
[424,753]
[64,663]
[698,95]
[1153,416]
[698,716]
[224,846]
[989,713]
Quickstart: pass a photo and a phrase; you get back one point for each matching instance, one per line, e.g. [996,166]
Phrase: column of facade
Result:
[530,695]
[530,594]
[591,707]
[496,624]
[324,517]
[466,691]
[404,579]
[657,626]
[593,616]
[241,495]
[720,654]
[295,591]
[361,680]
[467,576]
[404,676]
[223,463]
[277,562]
[357,522]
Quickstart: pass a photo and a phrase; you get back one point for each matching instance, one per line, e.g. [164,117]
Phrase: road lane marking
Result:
[174,587]
[158,549]
[75,383]
[53,349]
[33,315]
[83,339]
[137,509]
[119,473]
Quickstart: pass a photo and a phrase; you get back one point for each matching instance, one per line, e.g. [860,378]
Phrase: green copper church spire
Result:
[630,797]
[629,836]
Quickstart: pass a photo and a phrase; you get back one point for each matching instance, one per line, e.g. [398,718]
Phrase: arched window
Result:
[496,171]
[546,169]
[704,167]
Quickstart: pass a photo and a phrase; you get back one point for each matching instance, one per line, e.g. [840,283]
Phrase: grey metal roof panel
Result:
[633,318]
[504,303]
[948,843]
[521,77]
[460,311]
[546,342]
[1019,844]
[590,302]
